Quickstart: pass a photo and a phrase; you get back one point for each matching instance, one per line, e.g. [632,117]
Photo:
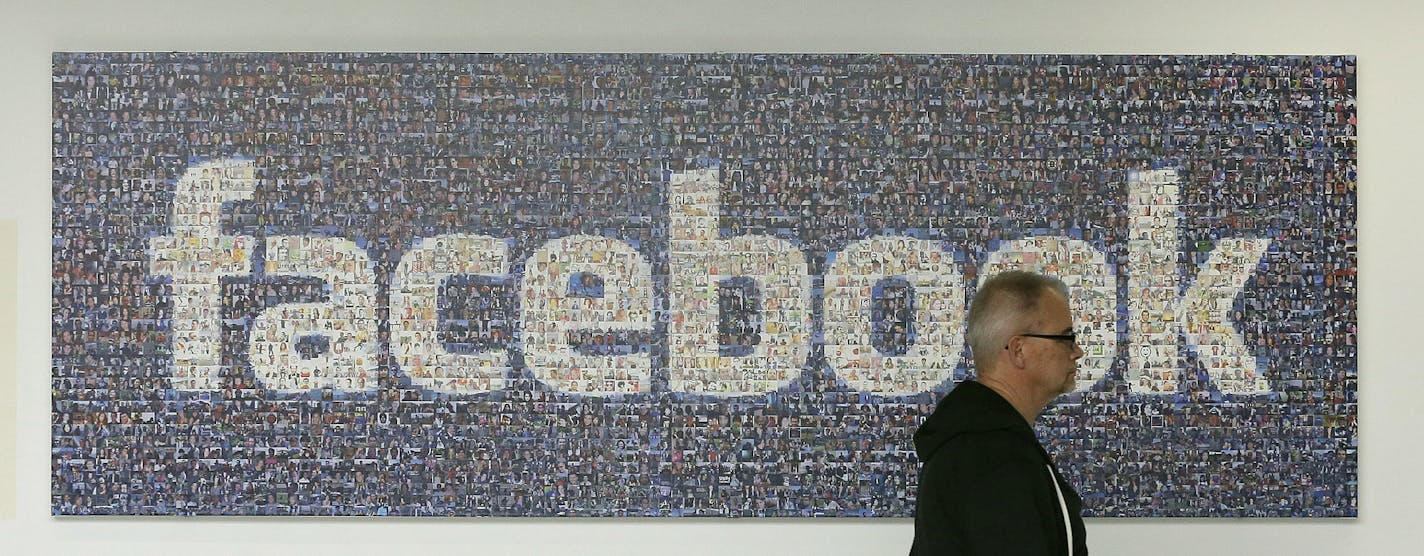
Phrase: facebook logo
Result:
[688,284]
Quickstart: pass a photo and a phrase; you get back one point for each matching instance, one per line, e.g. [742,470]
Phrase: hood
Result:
[970,408]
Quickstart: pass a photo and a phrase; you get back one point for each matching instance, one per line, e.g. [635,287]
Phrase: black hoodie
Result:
[987,485]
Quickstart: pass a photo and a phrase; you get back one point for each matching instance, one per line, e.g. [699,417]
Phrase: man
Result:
[986,484]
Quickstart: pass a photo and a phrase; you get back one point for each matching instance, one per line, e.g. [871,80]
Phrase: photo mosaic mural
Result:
[688,285]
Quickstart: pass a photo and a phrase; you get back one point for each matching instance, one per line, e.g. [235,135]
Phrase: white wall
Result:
[1383,34]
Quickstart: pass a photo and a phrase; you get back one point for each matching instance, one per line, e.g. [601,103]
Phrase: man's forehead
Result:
[1053,308]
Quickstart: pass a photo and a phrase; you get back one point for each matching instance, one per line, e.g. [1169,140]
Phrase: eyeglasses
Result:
[1071,337]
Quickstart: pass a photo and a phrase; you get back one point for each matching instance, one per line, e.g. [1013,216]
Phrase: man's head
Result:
[1020,330]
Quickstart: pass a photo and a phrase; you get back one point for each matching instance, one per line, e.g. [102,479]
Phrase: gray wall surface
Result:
[1379,33]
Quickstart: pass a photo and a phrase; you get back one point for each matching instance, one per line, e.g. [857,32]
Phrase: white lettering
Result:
[549,313]
[580,295]
[1152,283]
[938,315]
[1155,309]
[197,256]
[347,322]
[1219,346]
[698,262]
[415,321]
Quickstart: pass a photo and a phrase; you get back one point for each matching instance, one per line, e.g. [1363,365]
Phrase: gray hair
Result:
[1000,308]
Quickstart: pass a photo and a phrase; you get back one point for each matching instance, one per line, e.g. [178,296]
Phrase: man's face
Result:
[1055,362]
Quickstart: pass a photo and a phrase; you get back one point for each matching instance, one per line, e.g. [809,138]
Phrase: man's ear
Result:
[1014,350]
